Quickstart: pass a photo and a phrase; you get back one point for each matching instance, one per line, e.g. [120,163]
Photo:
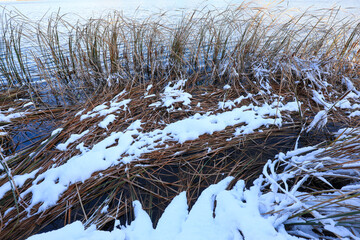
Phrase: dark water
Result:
[29,133]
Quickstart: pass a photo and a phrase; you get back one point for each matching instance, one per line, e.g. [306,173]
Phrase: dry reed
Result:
[252,49]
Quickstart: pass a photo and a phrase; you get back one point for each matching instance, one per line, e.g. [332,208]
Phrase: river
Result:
[36,9]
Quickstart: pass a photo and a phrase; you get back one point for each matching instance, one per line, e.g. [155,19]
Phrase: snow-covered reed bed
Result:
[294,198]
[152,143]
[163,111]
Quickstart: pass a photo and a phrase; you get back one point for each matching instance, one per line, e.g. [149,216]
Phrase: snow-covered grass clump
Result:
[231,124]
[147,151]
[275,207]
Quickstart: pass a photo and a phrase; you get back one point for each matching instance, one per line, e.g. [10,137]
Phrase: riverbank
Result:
[122,115]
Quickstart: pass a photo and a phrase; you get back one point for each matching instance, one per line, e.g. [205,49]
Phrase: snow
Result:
[28,104]
[73,138]
[107,108]
[107,120]
[148,88]
[18,180]
[349,101]
[56,131]
[104,109]
[76,231]
[128,146]
[221,213]
[319,121]
[173,93]
[228,104]
[226,87]
[237,210]
[105,209]
[355,114]
[3,133]
[319,98]
[9,116]
[173,217]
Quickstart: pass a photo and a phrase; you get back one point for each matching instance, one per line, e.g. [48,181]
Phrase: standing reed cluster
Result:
[75,60]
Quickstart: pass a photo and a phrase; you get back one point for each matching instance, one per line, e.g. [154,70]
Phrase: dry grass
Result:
[154,180]
[209,47]
[157,177]
[253,50]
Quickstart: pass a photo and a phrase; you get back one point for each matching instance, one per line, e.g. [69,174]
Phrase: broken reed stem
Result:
[81,204]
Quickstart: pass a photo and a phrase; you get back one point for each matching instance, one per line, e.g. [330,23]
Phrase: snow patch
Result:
[107,120]
[128,146]
[73,138]
[174,93]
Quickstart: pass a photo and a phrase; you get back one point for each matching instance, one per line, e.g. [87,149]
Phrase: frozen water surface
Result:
[89,8]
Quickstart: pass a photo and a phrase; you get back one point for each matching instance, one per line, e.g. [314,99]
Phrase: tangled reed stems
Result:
[253,50]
